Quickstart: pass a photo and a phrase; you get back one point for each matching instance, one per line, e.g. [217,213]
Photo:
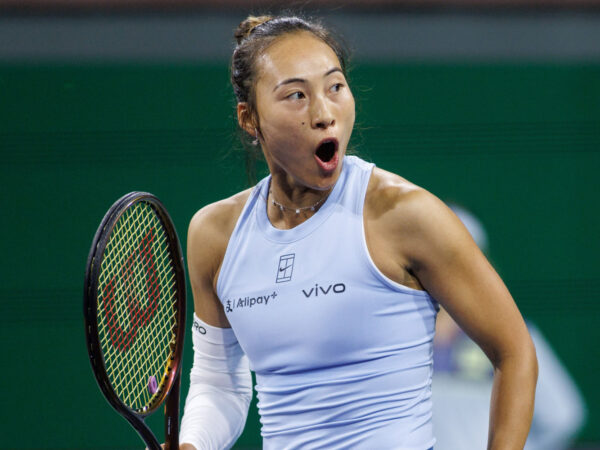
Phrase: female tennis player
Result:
[325,278]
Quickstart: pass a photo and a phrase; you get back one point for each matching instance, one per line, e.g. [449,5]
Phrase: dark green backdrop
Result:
[517,144]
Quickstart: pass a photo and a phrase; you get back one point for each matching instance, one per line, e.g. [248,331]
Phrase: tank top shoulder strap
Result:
[246,218]
[356,183]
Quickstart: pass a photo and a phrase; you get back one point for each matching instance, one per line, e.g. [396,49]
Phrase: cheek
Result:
[282,126]
[280,137]
[349,113]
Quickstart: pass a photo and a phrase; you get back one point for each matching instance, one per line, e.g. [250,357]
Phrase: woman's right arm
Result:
[220,392]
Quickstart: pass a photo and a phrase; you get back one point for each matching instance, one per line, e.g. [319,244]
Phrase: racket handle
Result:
[172,416]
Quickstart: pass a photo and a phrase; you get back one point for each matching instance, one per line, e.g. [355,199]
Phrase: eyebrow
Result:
[302,80]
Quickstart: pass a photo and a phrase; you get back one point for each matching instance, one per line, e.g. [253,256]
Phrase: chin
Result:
[326,181]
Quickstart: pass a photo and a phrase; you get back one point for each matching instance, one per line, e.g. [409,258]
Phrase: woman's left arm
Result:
[441,254]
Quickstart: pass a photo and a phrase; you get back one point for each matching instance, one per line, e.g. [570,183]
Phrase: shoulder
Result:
[416,218]
[220,216]
[211,227]
[391,195]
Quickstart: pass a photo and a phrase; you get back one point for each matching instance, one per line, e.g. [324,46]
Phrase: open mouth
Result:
[326,150]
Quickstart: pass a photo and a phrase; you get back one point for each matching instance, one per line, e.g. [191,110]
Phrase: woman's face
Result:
[305,110]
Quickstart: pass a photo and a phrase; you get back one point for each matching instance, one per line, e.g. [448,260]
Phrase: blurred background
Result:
[493,105]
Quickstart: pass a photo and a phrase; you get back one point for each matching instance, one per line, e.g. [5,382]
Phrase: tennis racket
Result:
[134,309]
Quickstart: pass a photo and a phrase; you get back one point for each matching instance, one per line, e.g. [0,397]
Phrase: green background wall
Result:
[517,144]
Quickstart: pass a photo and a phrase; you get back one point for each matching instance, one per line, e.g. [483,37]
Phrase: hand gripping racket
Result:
[134,309]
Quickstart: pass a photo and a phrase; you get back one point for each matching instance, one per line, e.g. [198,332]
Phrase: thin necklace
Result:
[302,208]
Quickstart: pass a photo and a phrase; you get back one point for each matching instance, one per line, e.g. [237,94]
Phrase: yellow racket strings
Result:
[136,307]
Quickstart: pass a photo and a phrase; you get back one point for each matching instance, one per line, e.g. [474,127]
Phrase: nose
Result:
[321,115]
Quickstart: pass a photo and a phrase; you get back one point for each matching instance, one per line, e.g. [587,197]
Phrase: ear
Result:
[245,119]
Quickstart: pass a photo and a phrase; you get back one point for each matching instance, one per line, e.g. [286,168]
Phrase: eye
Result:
[296,96]
[336,87]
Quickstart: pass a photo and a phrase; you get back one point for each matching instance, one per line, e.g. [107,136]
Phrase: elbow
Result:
[532,362]
[528,361]
[519,357]
[529,357]
[529,366]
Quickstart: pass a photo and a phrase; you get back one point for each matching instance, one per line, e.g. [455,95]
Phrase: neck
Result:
[291,192]
[289,202]
[287,208]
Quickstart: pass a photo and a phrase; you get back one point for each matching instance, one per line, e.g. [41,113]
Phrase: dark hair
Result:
[254,35]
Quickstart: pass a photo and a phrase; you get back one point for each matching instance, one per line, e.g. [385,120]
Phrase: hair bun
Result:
[247,26]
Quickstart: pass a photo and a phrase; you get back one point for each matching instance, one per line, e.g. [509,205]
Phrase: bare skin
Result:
[413,238]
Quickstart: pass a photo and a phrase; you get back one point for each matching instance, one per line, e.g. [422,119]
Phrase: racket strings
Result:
[136,307]
[138,373]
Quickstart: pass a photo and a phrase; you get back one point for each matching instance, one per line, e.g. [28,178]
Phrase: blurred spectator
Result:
[462,384]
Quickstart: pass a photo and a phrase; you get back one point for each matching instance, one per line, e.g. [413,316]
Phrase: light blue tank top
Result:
[342,354]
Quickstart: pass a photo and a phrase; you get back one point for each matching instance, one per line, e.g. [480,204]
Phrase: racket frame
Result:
[90,311]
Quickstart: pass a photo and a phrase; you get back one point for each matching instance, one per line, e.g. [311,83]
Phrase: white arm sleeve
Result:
[220,389]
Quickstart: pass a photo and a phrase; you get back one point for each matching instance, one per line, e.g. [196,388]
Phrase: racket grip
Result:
[172,416]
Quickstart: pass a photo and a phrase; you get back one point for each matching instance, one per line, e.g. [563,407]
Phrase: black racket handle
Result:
[172,416]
